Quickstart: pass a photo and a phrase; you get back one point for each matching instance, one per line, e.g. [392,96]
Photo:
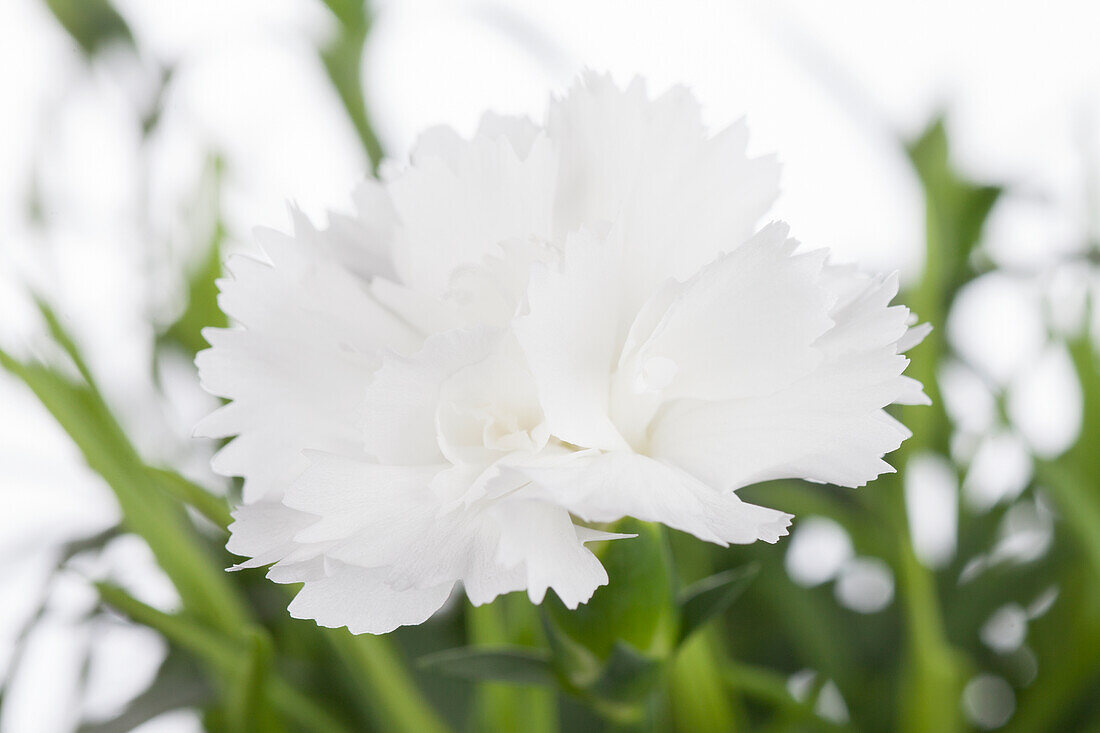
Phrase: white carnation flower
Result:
[530,331]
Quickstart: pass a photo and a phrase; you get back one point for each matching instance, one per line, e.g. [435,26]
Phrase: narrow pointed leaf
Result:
[154,515]
[702,601]
[210,505]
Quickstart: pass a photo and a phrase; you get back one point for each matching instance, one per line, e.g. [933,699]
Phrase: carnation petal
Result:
[364,602]
[311,334]
[401,400]
[606,487]
[543,538]
[745,324]
[457,206]
[570,337]
[681,197]
[533,327]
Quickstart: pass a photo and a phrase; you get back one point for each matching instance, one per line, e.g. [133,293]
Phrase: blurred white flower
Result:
[530,330]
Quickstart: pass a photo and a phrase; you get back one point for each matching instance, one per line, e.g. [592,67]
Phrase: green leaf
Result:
[61,335]
[636,606]
[628,676]
[711,596]
[515,665]
[93,24]
[576,664]
[210,505]
[189,634]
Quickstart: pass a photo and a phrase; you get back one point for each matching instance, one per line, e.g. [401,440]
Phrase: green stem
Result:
[697,696]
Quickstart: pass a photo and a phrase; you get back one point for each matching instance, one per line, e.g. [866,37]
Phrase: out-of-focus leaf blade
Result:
[213,507]
[92,23]
[514,664]
[712,596]
[628,676]
[147,511]
[226,656]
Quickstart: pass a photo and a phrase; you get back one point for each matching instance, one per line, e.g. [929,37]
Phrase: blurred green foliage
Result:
[687,636]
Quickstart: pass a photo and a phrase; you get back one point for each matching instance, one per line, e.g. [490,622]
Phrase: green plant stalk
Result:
[933,682]
[383,676]
[225,656]
[501,706]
